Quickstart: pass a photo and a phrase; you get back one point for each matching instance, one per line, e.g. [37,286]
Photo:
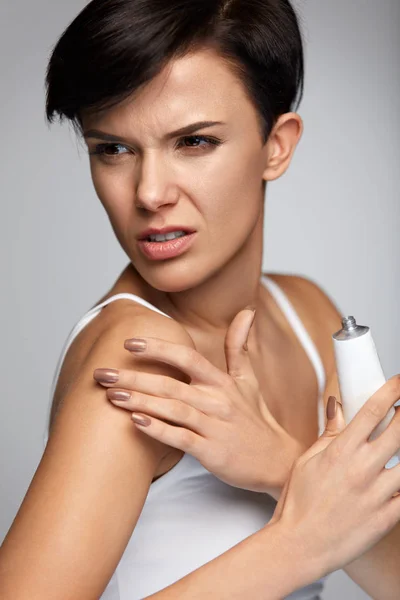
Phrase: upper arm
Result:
[91,484]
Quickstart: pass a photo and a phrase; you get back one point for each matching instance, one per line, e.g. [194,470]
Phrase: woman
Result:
[186,110]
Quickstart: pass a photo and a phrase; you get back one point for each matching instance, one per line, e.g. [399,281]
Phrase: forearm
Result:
[377,571]
[269,564]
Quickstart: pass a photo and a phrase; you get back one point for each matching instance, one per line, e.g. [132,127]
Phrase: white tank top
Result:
[190,517]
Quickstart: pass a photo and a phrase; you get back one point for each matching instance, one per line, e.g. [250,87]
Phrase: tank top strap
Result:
[305,339]
[280,298]
[80,325]
[124,296]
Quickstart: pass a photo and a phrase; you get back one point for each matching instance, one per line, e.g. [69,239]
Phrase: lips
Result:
[169,229]
[156,251]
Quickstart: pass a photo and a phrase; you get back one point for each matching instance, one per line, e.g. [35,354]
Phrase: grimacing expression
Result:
[209,178]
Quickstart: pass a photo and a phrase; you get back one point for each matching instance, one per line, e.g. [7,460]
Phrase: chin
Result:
[170,276]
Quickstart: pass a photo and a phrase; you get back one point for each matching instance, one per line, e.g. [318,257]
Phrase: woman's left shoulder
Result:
[316,309]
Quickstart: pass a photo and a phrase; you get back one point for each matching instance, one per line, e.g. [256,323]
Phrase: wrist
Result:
[293,450]
[295,567]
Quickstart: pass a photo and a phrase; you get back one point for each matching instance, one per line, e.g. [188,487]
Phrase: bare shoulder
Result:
[102,342]
[118,320]
[95,473]
[316,310]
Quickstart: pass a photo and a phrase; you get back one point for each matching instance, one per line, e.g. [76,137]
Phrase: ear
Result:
[281,145]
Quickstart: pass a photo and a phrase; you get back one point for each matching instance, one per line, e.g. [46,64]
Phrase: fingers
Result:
[184,358]
[175,411]
[147,383]
[335,422]
[388,484]
[153,384]
[176,437]
[387,444]
[236,351]
[334,426]
[380,450]
[372,413]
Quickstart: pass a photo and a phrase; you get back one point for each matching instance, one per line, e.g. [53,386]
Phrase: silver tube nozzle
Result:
[350,330]
[349,323]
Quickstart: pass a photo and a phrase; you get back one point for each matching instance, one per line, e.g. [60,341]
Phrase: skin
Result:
[96,463]
[154,181]
[217,190]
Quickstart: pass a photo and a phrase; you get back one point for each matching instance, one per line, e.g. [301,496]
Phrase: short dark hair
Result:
[115,46]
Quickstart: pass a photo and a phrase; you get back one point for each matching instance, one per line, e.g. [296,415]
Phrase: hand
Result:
[219,418]
[339,496]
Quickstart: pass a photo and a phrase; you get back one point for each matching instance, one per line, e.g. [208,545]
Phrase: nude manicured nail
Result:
[331,407]
[106,375]
[141,420]
[135,345]
[118,395]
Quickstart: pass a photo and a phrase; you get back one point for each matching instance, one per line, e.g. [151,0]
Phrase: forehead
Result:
[199,86]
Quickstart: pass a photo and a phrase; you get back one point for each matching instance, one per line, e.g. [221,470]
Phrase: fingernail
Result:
[245,346]
[118,395]
[106,375]
[331,407]
[141,420]
[135,345]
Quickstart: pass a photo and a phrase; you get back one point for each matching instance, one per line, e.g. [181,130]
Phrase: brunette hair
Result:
[115,46]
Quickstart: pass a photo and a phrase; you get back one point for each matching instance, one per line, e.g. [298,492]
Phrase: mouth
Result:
[165,234]
[159,238]
[156,247]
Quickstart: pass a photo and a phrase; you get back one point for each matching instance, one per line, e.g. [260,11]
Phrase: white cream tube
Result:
[360,374]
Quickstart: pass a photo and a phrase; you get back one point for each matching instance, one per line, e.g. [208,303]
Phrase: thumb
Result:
[335,423]
[236,350]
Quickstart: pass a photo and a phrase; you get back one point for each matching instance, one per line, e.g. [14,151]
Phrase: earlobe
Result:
[281,145]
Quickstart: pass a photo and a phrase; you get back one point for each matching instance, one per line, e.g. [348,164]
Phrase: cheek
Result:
[232,190]
[113,191]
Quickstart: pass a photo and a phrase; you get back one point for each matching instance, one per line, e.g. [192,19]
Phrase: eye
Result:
[109,151]
[198,141]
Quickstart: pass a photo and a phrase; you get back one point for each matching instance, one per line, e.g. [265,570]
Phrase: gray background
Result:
[334,217]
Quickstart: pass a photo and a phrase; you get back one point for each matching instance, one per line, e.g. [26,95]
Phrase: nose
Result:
[155,187]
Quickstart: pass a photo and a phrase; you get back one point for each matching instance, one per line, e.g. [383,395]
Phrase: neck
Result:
[212,305]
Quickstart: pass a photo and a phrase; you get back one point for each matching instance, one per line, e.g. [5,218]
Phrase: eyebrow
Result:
[187,130]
